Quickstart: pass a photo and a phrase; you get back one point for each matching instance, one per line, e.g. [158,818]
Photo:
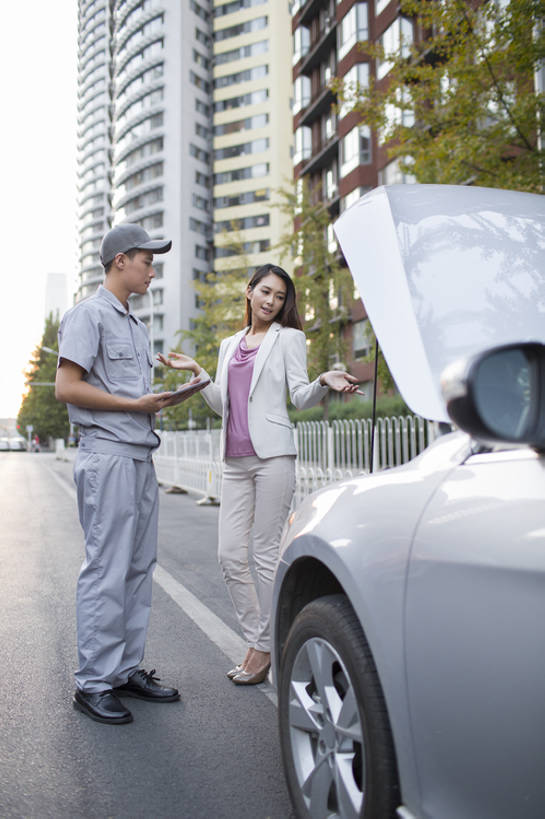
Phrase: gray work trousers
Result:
[118,510]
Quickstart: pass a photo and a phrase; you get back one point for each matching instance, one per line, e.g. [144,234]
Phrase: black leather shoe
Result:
[142,685]
[102,706]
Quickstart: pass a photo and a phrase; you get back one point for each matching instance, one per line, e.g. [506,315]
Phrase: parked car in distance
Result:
[17,444]
[409,605]
[4,444]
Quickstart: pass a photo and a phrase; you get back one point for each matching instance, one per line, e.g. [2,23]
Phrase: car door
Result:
[475,640]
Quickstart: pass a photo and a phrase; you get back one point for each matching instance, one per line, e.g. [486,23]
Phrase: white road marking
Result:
[209,623]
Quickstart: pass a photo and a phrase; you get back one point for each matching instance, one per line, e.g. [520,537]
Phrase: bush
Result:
[355,408]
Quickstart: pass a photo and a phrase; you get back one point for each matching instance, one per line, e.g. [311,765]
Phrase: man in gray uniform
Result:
[103,375]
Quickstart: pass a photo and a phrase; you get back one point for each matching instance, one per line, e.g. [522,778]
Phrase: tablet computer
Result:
[185,391]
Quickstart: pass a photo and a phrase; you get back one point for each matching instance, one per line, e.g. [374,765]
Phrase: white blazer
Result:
[280,365]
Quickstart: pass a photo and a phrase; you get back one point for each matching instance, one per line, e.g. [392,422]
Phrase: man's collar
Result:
[106,294]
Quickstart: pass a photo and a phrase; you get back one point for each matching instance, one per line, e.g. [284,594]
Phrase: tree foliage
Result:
[222,303]
[324,285]
[460,105]
[48,417]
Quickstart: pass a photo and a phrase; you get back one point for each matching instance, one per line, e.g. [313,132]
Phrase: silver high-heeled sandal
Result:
[250,677]
[234,671]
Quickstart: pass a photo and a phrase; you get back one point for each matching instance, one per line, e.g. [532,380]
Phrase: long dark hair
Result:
[288,315]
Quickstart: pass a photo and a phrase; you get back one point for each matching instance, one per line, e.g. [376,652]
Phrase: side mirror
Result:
[498,395]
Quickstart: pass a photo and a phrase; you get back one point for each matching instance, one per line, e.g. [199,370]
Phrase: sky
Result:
[38,72]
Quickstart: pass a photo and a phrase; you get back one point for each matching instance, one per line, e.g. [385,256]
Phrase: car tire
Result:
[335,736]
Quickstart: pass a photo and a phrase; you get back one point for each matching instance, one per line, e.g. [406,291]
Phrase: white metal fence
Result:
[326,452]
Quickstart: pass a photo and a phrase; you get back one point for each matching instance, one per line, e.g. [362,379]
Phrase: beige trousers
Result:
[256,497]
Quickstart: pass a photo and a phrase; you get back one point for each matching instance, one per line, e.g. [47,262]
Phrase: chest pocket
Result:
[121,363]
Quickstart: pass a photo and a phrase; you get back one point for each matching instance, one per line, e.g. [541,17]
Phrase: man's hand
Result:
[153,402]
[71,388]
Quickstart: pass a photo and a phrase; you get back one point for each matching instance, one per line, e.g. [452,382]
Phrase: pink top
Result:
[241,368]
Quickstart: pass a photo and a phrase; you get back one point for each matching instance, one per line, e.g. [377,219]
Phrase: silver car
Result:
[409,605]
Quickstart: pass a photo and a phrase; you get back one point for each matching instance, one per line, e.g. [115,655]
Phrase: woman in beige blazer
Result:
[257,368]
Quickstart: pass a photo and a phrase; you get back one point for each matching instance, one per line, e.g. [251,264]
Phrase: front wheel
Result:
[335,734]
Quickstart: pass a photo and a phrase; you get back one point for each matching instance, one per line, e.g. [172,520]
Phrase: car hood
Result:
[445,271]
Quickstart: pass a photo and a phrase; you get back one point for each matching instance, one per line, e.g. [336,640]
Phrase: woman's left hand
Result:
[340,381]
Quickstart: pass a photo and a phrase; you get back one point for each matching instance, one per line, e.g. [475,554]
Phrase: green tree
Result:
[222,303]
[48,417]
[462,104]
[324,285]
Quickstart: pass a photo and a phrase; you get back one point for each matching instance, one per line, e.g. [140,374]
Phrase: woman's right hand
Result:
[179,361]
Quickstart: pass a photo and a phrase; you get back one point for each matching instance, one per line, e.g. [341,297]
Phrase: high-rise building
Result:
[145,107]
[185,129]
[339,156]
[94,137]
[253,138]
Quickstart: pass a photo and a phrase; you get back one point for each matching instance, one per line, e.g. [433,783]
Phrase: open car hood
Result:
[445,271]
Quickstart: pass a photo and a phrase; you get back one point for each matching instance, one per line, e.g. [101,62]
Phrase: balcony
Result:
[319,105]
[319,50]
[322,157]
[310,10]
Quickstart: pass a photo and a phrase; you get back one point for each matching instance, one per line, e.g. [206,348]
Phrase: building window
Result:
[250,172]
[202,179]
[397,38]
[200,202]
[355,149]
[361,345]
[261,220]
[260,246]
[248,75]
[328,125]
[236,5]
[201,60]
[142,80]
[202,253]
[353,196]
[199,227]
[154,220]
[199,10]
[303,144]
[144,200]
[256,24]
[253,98]
[393,175]
[380,5]
[329,182]
[251,50]
[354,81]
[301,93]
[353,28]
[256,146]
[139,130]
[250,123]
[245,198]
[201,130]
[199,82]
[301,43]
[202,107]
[198,153]
[141,104]
[150,148]
[202,38]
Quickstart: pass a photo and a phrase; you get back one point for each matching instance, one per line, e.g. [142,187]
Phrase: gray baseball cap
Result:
[126,237]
